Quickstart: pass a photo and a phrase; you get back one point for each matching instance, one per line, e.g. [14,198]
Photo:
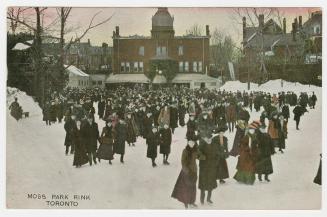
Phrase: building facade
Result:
[162,52]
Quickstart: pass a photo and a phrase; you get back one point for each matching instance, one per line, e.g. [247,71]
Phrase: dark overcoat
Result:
[105,150]
[152,141]
[222,168]
[120,135]
[80,156]
[263,164]
[165,141]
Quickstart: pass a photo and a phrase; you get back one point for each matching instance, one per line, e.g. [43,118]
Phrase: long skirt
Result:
[222,169]
[185,188]
[263,165]
[235,149]
[105,152]
[80,158]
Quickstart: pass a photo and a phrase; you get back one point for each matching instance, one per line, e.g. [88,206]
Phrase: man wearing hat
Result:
[266,148]
[221,141]
[120,137]
[90,133]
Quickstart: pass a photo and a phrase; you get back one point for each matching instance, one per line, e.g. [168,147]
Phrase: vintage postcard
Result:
[164,108]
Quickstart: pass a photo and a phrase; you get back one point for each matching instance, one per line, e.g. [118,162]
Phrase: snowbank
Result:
[273,86]
[27,102]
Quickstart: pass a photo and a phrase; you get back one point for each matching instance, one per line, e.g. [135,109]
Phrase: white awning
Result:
[73,70]
[127,78]
[188,77]
[159,79]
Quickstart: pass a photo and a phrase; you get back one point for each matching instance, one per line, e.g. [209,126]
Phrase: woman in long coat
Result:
[274,128]
[231,116]
[131,129]
[246,161]
[222,142]
[120,136]
[191,127]
[173,118]
[185,187]
[153,141]
[105,150]
[208,156]
[165,143]
[263,163]
[240,132]
[80,156]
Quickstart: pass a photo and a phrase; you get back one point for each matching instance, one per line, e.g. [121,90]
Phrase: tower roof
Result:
[162,18]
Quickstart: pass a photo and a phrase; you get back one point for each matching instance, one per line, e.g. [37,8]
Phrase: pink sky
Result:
[138,20]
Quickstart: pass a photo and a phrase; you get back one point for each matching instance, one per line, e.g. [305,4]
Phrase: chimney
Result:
[261,20]
[244,26]
[284,25]
[296,24]
[293,31]
[207,30]
[117,30]
[300,22]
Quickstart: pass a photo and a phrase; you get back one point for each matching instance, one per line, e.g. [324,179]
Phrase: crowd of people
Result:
[130,113]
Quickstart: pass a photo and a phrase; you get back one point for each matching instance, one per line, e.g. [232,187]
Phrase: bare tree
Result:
[195,30]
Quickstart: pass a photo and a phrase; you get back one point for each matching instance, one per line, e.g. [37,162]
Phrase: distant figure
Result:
[298,112]
[15,109]
[317,179]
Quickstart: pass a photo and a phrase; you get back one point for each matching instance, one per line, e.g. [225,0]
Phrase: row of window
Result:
[162,51]
[131,67]
[184,66]
[86,83]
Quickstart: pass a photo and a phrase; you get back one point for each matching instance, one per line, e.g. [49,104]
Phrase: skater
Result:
[132,131]
[173,123]
[164,116]
[240,131]
[165,143]
[91,136]
[14,109]
[263,165]
[153,141]
[120,137]
[231,116]
[185,187]
[46,113]
[191,127]
[101,106]
[70,126]
[298,111]
[222,143]
[105,150]
[208,156]
[274,128]
[246,161]
[80,156]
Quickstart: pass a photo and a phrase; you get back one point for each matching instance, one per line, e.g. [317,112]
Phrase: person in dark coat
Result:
[14,109]
[105,150]
[156,113]
[191,127]
[286,111]
[181,114]
[240,131]
[70,126]
[53,112]
[91,136]
[165,143]
[120,137]
[313,100]
[317,179]
[298,111]
[173,118]
[185,187]
[208,156]
[131,129]
[147,124]
[60,111]
[153,141]
[46,114]
[263,164]
[80,156]
[101,106]
[222,143]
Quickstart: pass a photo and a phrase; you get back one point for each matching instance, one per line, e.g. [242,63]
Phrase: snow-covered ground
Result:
[36,163]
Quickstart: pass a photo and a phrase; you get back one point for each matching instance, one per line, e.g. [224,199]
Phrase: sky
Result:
[137,20]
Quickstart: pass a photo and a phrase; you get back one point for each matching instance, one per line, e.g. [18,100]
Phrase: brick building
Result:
[161,53]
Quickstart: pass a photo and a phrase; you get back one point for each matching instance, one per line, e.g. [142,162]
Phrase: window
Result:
[158,51]
[140,66]
[195,66]
[186,68]
[141,51]
[99,82]
[181,67]
[135,66]
[122,67]
[161,51]
[200,66]
[127,67]
[180,50]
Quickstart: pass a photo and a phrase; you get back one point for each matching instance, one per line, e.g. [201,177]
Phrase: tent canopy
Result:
[188,77]
[74,71]
[127,78]
[159,79]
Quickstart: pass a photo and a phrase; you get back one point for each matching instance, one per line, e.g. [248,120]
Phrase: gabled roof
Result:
[73,70]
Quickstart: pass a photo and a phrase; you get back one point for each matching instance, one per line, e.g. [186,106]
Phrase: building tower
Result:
[162,24]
